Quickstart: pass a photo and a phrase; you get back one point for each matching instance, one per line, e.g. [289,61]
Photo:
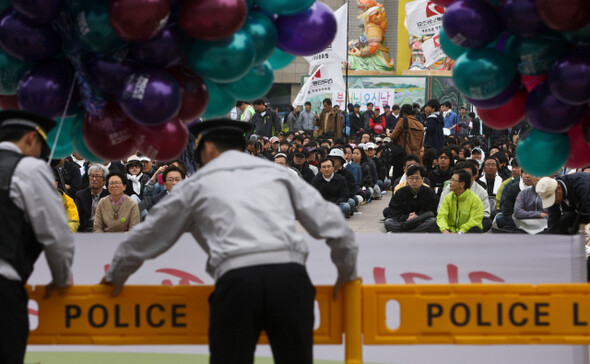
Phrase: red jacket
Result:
[377,120]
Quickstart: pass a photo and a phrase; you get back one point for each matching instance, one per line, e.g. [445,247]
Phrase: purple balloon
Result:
[546,113]
[521,18]
[40,11]
[308,32]
[150,96]
[108,75]
[26,40]
[45,88]
[471,23]
[499,100]
[166,49]
[569,79]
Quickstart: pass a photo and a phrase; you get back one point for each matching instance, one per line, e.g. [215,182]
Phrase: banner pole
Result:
[346,116]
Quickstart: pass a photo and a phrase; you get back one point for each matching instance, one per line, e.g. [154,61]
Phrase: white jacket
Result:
[498,181]
[242,211]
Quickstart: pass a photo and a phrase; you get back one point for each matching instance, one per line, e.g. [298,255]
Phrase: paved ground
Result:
[366,220]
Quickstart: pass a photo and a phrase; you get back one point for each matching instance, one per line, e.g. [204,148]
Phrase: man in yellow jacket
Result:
[462,210]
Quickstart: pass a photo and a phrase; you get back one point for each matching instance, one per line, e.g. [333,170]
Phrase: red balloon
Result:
[8,102]
[212,19]
[378,129]
[138,20]
[564,15]
[195,96]
[531,81]
[164,142]
[579,148]
[110,137]
[507,115]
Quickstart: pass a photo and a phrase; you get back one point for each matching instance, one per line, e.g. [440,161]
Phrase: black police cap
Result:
[218,127]
[28,120]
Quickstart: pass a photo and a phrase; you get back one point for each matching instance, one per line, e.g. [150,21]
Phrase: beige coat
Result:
[104,221]
[415,139]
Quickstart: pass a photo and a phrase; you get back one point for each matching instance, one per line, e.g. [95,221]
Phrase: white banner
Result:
[336,52]
[432,51]
[392,259]
[327,79]
[423,17]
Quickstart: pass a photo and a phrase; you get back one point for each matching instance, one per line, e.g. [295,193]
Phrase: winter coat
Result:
[460,213]
[404,202]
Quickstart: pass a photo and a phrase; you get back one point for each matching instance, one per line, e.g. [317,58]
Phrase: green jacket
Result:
[460,213]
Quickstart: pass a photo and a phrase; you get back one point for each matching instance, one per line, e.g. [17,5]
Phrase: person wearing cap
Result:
[567,200]
[383,180]
[147,166]
[299,163]
[332,186]
[266,122]
[337,157]
[329,120]
[377,119]
[356,122]
[33,221]
[256,255]
[370,148]
[136,180]
[293,119]
[274,145]
[282,160]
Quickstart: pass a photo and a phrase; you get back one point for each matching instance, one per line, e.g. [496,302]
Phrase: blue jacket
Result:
[451,120]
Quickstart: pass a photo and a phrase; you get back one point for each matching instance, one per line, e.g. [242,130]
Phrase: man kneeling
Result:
[413,207]
[461,210]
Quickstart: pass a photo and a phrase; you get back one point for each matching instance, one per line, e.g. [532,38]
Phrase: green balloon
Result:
[579,37]
[254,85]
[11,72]
[94,29]
[451,49]
[225,60]
[64,146]
[264,35]
[78,141]
[280,59]
[220,102]
[536,55]
[495,3]
[284,7]
[483,73]
[542,154]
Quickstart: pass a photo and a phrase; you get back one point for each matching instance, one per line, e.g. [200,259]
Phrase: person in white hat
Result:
[568,201]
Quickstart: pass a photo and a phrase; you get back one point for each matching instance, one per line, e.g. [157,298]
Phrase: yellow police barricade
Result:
[142,315]
[426,314]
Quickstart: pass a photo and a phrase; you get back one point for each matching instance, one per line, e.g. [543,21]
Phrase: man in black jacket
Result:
[443,172]
[332,186]
[356,122]
[266,122]
[567,198]
[87,199]
[299,163]
[413,207]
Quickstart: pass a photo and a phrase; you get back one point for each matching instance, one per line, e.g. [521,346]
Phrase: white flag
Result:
[432,51]
[336,52]
[423,17]
[327,79]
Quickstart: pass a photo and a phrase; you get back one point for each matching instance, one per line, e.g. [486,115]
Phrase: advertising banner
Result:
[383,259]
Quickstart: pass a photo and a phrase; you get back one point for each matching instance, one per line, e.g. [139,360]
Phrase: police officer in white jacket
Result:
[242,211]
[33,220]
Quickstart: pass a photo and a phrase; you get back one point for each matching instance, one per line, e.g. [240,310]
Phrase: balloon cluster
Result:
[126,75]
[526,58]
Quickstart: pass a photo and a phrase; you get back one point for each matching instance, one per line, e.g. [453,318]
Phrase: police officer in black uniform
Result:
[33,220]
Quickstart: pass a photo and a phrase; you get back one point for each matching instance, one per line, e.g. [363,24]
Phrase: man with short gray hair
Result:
[87,200]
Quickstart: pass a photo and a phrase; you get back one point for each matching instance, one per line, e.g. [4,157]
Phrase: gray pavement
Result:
[367,219]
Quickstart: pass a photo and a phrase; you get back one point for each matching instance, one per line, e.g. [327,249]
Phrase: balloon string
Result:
[63,117]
